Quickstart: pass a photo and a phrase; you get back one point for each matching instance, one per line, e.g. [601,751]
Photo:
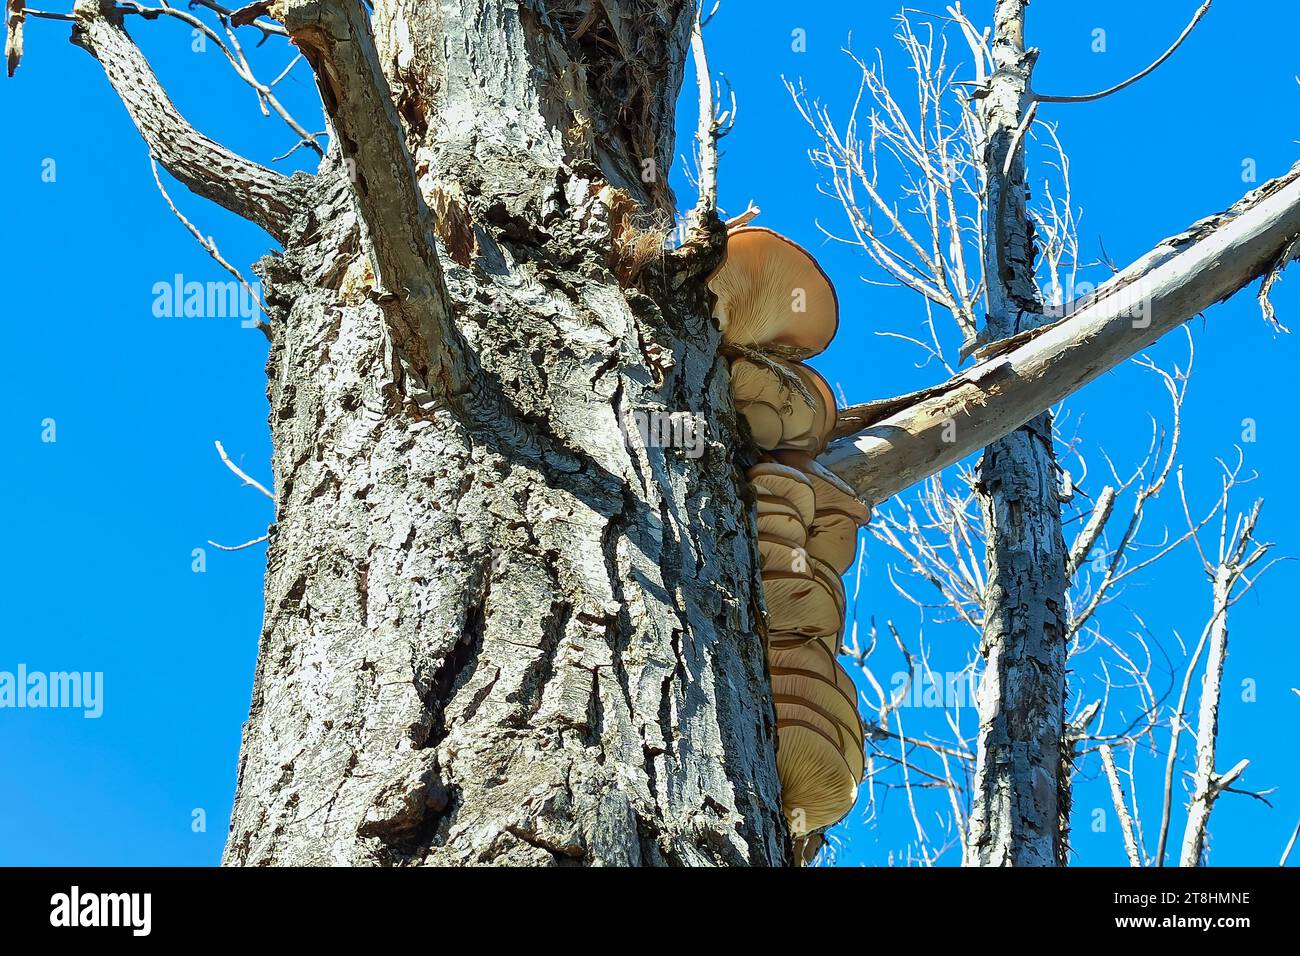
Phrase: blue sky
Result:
[103,522]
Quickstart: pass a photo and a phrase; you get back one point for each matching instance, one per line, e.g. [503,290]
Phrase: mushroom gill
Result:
[769,291]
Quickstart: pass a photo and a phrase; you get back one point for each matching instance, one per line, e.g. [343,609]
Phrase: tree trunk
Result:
[529,635]
[1021,806]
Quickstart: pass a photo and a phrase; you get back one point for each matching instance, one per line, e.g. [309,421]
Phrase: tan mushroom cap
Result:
[811,677]
[761,392]
[779,556]
[831,492]
[779,519]
[772,292]
[833,540]
[765,424]
[803,608]
[772,479]
[818,787]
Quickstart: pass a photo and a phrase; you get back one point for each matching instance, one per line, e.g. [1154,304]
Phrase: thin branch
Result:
[240,547]
[1121,806]
[240,473]
[1083,544]
[209,246]
[708,131]
[1196,18]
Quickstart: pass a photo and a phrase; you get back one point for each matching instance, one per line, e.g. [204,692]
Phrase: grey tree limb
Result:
[207,168]
[1020,808]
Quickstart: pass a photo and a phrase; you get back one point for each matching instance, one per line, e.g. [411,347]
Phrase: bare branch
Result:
[918,435]
[209,246]
[707,133]
[1237,554]
[204,166]
[239,472]
[239,547]
[1121,806]
[1286,853]
[1196,18]
[1086,538]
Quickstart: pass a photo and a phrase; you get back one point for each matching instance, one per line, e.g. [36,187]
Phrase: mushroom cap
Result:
[809,676]
[772,479]
[771,291]
[818,787]
[781,520]
[831,492]
[783,557]
[802,607]
[760,392]
[764,424]
[833,540]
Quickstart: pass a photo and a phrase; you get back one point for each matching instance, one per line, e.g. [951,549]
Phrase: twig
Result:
[209,246]
[1290,845]
[250,482]
[1196,18]
[239,547]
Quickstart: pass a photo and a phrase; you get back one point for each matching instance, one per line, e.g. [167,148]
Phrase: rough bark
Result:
[204,166]
[1020,807]
[516,633]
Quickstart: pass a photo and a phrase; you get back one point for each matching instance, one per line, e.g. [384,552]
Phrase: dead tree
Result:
[489,636]
[963,234]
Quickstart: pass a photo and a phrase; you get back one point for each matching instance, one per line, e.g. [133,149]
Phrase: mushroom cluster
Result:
[775,307]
